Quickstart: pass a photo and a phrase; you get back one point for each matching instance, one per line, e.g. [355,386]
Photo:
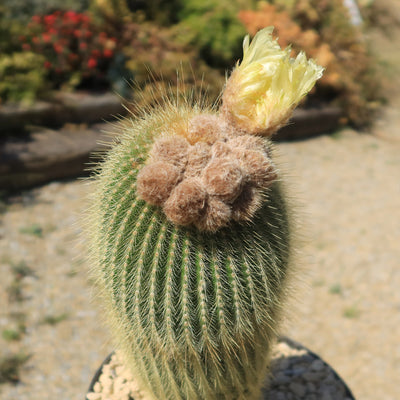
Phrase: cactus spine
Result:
[194,307]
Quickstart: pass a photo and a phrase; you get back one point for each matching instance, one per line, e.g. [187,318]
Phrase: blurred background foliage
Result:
[23,10]
[48,45]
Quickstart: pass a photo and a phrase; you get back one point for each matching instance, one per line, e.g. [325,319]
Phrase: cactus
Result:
[191,238]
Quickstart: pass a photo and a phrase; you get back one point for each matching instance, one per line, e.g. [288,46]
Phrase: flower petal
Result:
[267,85]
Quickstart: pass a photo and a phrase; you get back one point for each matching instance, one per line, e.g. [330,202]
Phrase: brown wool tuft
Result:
[221,149]
[246,205]
[258,167]
[223,177]
[187,202]
[205,128]
[172,149]
[217,215]
[198,157]
[248,142]
[155,182]
[207,174]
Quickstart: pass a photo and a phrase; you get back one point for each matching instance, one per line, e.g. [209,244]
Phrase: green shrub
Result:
[24,9]
[10,30]
[22,76]
[213,27]
[162,12]
[114,10]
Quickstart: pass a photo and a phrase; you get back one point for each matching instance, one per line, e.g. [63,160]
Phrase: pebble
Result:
[284,363]
[281,379]
[279,396]
[311,387]
[326,395]
[297,389]
[312,376]
[317,365]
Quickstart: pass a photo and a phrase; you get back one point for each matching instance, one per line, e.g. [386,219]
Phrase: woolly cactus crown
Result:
[190,233]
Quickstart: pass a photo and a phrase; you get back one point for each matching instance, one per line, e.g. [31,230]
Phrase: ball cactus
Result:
[191,240]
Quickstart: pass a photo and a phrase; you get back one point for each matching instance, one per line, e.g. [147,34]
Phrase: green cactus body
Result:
[190,233]
[194,312]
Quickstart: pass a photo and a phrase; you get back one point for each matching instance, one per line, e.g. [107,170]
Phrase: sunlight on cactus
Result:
[191,237]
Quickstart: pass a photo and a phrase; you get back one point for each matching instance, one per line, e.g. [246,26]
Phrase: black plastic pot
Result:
[273,386]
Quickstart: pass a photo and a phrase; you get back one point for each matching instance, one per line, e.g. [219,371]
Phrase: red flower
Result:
[58,48]
[108,53]
[72,57]
[72,16]
[69,41]
[92,63]
[85,19]
[50,19]
[46,37]
[64,42]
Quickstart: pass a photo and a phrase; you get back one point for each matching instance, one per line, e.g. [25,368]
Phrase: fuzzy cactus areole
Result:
[190,233]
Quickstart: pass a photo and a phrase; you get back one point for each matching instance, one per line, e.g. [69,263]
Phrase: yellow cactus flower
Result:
[267,85]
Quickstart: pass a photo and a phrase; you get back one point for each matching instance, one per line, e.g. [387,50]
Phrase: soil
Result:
[347,306]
